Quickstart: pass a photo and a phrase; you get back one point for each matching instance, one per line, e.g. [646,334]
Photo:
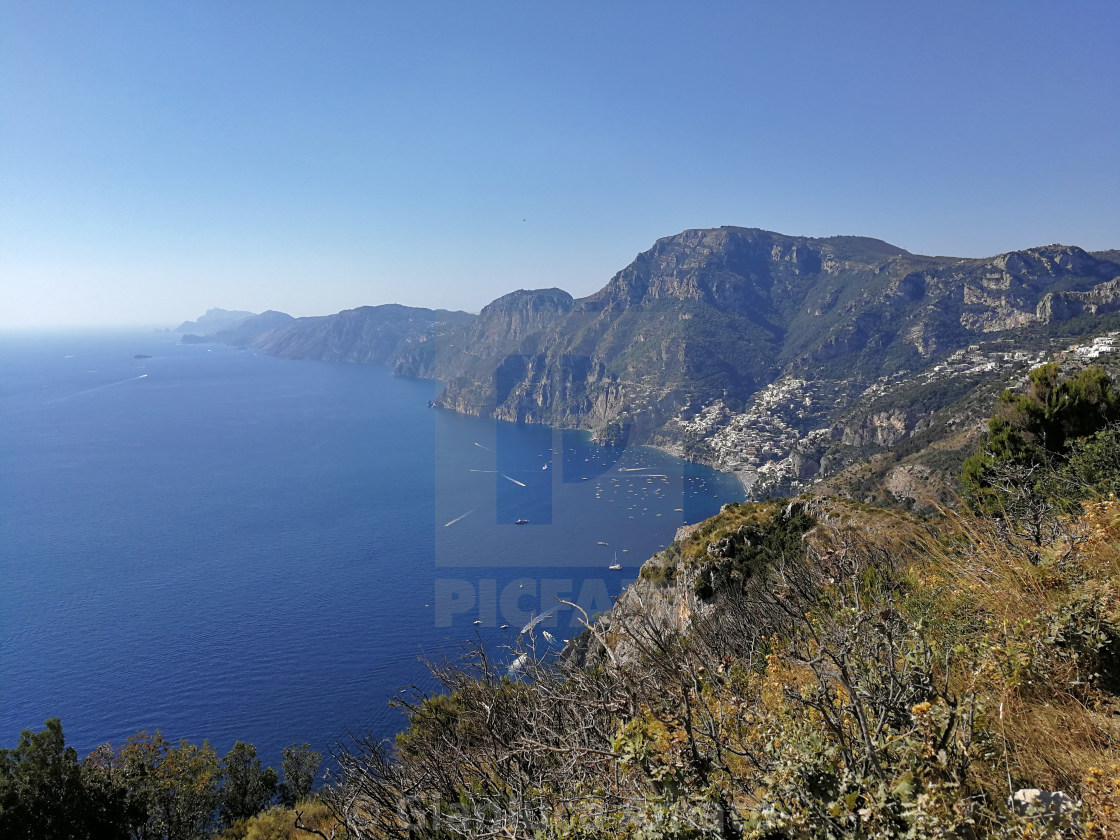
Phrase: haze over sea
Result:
[228,546]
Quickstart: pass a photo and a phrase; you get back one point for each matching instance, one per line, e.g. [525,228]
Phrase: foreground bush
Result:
[148,788]
[868,682]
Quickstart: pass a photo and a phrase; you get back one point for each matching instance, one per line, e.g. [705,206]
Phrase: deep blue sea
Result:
[227,546]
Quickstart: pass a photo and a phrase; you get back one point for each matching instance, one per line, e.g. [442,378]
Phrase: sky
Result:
[159,159]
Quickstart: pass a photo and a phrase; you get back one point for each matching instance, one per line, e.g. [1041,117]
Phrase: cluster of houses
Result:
[761,443]
[756,443]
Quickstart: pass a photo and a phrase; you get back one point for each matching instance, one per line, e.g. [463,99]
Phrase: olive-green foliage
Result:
[750,550]
[1095,463]
[146,789]
[661,574]
[1031,436]
[295,823]
[248,787]
[300,764]
[178,785]
[46,794]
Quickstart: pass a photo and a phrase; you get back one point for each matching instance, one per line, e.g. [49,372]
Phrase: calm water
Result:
[227,546]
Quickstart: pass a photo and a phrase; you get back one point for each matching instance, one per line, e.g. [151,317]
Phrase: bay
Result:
[227,546]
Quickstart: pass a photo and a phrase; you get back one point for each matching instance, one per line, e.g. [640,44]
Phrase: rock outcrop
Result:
[716,317]
[718,314]
[1061,306]
[884,428]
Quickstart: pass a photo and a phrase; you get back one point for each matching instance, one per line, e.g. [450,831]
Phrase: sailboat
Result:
[615,566]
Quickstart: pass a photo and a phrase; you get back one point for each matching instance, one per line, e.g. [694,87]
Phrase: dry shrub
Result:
[1038,625]
[887,677]
[1100,793]
[1053,747]
[314,816]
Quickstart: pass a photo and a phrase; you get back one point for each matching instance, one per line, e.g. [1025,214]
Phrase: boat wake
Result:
[98,388]
[535,620]
[458,518]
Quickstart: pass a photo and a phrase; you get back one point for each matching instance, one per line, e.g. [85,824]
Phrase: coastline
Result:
[746,478]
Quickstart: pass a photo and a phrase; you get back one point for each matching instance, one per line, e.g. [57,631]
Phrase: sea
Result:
[221,545]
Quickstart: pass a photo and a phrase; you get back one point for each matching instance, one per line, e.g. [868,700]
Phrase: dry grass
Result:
[1000,601]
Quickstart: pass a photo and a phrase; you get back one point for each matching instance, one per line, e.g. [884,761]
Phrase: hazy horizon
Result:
[162,160]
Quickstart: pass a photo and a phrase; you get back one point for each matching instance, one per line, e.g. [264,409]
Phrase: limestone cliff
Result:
[718,314]
[717,318]
[1061,306]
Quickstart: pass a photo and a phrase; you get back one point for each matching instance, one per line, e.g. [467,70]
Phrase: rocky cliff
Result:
[1062,306]
[778,357]
[719,314]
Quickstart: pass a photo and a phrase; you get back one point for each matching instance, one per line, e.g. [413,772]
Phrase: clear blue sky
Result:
[159,158]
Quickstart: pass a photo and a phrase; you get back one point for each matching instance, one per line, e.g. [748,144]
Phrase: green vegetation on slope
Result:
[817,669]
[885,679]
[822,669]
[150,789]
[1047,448]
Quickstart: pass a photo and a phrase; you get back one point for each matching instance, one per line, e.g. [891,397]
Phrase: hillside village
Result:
[774,445]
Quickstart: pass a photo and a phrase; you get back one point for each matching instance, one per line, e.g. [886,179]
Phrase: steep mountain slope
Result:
[717,315]
[782,358]
[505,327]
[919,470]
[367,335]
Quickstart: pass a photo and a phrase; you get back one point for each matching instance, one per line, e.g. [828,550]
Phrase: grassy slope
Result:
[884,678]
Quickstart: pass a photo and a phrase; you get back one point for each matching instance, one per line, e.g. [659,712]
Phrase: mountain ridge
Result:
[722,312]
[713,332]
